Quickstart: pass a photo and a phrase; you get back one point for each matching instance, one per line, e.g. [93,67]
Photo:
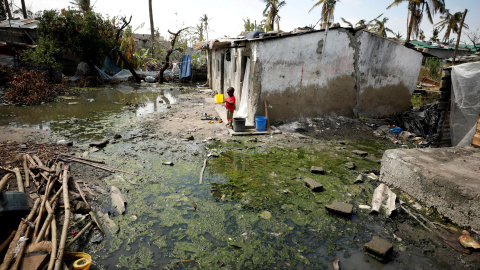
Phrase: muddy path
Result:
[253,210]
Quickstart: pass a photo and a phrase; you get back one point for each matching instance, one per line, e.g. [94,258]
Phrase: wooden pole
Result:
[81,193]
[458,38]
[4,181]
[26,171]
[42,207]
[6,242]
[21,188]
[21,228]
[266,114]
[66,221]
[79,234]
[51,263]
[51,213]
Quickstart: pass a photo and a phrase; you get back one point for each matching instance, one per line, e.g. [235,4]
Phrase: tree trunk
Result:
[24,9]
[152,28]
[7,8]
[459,36]
[167,57]
[135,75]
[410,24]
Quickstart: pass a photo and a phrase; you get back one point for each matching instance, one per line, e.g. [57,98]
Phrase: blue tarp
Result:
[109,66]
[185,67]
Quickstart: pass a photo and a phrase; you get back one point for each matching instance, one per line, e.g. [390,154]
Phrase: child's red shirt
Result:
[229,106]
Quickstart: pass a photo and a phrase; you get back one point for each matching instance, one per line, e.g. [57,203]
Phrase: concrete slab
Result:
[446,179]
[317,170]
[313,185]
[379,247]
[340,208]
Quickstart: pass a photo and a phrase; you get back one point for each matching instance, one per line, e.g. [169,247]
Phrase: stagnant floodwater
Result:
[267,218]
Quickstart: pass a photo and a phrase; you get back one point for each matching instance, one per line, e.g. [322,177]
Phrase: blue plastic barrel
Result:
[261,123]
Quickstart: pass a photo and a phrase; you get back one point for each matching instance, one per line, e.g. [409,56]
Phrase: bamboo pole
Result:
[63,239]
[6,169]
[89,190]
[56,195]
[79,234]
[100,167]
[51,263]
[81,158]
[21,188]
[81,193]
[4,180]
[42,207]
[51,213]
[26,171]
[6,242]
[11,248]
[203,169]
[18,259]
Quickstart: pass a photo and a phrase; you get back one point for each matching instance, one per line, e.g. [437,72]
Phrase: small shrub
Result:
[416,101]
[30,87]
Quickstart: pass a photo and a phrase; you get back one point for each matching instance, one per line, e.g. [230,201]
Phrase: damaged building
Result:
[313,73]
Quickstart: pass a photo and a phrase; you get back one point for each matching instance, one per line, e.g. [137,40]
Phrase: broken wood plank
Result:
[203,170]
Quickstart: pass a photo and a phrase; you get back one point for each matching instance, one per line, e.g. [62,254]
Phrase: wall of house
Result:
[387,75]
[299,80]
[353,75]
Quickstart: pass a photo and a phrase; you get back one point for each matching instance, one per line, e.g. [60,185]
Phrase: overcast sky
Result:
[226,15]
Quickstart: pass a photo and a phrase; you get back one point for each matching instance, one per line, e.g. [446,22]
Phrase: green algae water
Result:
[253,210]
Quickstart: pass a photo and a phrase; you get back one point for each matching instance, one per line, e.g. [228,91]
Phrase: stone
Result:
[360,179]
[351,165]
[317,170]
[190,138]
[313,185]
[340,208]
[360,153]
[96,238]
[117,136]
[379,247]
[99,143]
[81,207]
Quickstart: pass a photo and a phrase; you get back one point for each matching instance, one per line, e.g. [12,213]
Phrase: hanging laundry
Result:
[185,67]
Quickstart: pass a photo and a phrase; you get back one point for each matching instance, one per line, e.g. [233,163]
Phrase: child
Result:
[230,105]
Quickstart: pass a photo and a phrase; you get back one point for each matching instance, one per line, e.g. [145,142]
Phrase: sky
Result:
[226,16]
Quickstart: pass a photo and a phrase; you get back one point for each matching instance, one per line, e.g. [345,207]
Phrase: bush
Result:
[30,88]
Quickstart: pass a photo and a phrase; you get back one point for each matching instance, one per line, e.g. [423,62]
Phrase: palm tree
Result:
[421,36]
[83,5]
[152,28]
[380,27]
[199,29]
[204,20]
[328,7]
[416,8]
[7,9]
[452,22]
[398,35]
[271,13]
[435,33]
[248,25]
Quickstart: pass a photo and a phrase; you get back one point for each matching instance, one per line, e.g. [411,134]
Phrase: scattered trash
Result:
[150,79]
[83,261]
[133,217]
[223,197]
[110,223]
[395,130]
[168,163]
[467,241]
[360,179]
[372,176]
[96,238]
[351,165]
[99,143]
[194,206]
[336,264]
[383,193]
[364,207]
[118,200]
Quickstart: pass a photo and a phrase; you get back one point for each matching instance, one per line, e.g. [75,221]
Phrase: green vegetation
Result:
[87,35]
[432,68]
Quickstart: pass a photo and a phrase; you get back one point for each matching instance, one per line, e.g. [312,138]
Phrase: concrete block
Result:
[313,185]
[317,170]
[351,165]
[445,179]
[379,247]
[340,208]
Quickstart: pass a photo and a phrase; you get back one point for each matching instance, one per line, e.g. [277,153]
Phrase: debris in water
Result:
[336,264]
[468,242]
[118,200]
[340,208]
[168,163]
[379,248]
[194,206]
[313,185]
[317,170]
[223,197]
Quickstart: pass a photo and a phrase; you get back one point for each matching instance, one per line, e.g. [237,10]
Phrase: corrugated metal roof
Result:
[25,24]
[433,45]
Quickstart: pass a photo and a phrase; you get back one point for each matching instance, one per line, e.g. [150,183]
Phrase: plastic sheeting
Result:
[465,102]
[243,108]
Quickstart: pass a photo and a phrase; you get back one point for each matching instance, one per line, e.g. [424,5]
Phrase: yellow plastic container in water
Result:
[219,98]
[82,260]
